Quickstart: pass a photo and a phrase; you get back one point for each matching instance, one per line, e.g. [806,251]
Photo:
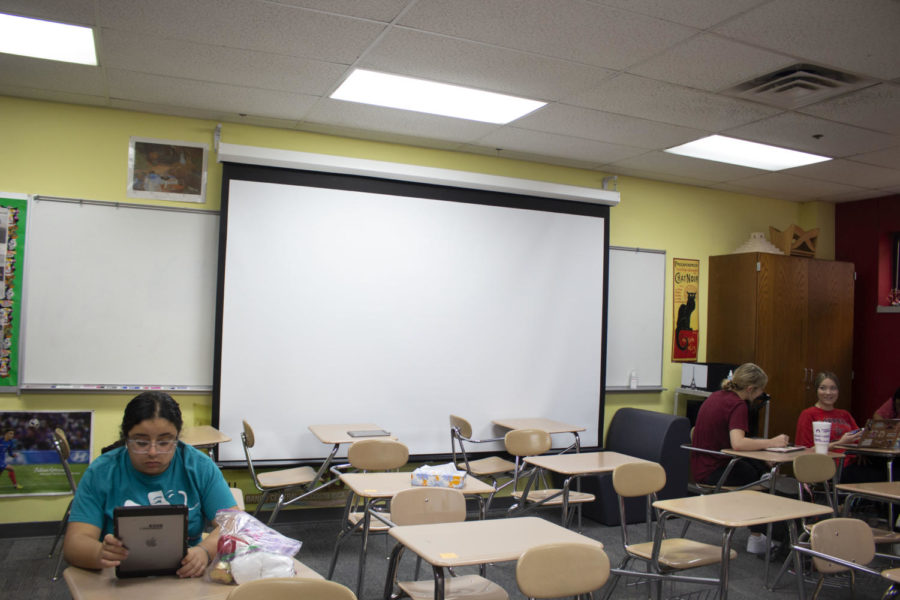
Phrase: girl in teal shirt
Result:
[149,467]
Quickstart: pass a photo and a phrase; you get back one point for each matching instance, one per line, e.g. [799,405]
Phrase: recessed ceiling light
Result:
[47,39]
[409,93]
[747,154]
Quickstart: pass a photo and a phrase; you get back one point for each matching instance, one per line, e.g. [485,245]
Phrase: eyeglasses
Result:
[143,446]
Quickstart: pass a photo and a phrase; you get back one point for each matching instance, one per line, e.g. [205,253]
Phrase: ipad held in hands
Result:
[156,538]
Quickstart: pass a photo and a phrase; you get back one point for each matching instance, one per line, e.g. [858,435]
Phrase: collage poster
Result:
[29,462]
[686,284]
[12,251]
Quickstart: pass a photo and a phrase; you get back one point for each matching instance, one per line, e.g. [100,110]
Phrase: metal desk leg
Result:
[364,546]
[727,534]
[396,553]
[438,583]
[798,564]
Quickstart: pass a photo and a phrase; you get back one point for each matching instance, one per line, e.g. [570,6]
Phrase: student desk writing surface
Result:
[445,545]
[85,584]
[203,436]
[577,465]
[548,425]
[731,510]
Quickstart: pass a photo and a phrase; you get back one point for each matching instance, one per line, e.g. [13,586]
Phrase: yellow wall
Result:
[82,152]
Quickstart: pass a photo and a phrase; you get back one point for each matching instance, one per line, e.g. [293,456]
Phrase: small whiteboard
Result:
[635,321]
[118,296]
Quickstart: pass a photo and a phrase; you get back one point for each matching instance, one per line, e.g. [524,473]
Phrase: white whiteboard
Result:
[636,315]
[116,296]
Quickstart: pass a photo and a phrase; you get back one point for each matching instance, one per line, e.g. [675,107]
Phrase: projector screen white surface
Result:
[343,306]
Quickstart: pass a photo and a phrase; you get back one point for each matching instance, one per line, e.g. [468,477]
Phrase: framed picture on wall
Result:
[30,464]
[166,170]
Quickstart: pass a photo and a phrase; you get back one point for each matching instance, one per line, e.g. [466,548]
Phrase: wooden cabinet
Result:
[792,316]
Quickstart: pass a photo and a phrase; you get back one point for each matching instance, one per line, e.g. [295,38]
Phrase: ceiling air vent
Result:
[798,85]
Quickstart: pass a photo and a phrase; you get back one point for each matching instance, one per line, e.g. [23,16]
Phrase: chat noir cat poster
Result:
[686,317]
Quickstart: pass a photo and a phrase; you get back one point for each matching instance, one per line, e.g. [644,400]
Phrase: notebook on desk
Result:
[156,538]
[786,449]
[880,433]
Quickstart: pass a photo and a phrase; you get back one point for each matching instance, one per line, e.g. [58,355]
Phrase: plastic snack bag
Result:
[248,550]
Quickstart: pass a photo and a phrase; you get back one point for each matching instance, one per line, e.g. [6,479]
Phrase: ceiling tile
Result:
[75,12]
[402,122]
[607,127]
[437,57]
[126,85]
[661,101]
[190,60]
[568,29]
[377,10]
[889,157]
[876,108]
[663,162]
[247,24]
[688,63]
[843,171]
[796,131]
[537,143]
[695,13]
[801,187]
[861,38]
[52,75]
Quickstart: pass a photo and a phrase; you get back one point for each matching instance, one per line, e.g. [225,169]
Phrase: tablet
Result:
[368,433]
[156,538]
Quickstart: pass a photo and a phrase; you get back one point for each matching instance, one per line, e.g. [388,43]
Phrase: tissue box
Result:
[439,476]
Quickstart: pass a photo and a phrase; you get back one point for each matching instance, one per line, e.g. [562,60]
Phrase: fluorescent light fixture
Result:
[408,93]
[47,39]
[747,154]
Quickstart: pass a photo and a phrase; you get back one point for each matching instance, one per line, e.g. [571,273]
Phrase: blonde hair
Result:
[745,376]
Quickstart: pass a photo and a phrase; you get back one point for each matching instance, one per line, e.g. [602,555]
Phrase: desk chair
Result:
[674,554]
[522,443]
[291,588]
[374,454]
[556,570]
[483,468]
[843,545]
[274,482]
[61,443]
[811,471]
[425,505]
[699,488]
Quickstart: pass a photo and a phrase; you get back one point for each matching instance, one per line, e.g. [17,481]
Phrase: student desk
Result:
[573,466]
[379,486]
[336,435]
[204,437]
[548,425]
[447,545]
[103,585]
[731,510]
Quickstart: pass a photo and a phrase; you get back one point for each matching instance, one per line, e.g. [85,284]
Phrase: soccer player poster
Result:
[29,462]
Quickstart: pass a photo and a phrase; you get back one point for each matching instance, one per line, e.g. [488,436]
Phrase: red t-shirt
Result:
[886,410]
[718,415]
[841,422]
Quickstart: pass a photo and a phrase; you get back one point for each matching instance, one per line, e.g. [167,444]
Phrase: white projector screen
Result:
[352,300]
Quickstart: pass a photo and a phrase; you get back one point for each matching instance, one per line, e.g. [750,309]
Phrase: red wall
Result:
[860,230]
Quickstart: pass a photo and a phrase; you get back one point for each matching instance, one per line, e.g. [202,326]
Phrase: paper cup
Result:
[821,436]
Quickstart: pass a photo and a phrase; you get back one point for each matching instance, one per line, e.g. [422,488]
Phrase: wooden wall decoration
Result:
[794,241]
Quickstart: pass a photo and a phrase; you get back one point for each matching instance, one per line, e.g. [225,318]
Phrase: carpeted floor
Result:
[25,568]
